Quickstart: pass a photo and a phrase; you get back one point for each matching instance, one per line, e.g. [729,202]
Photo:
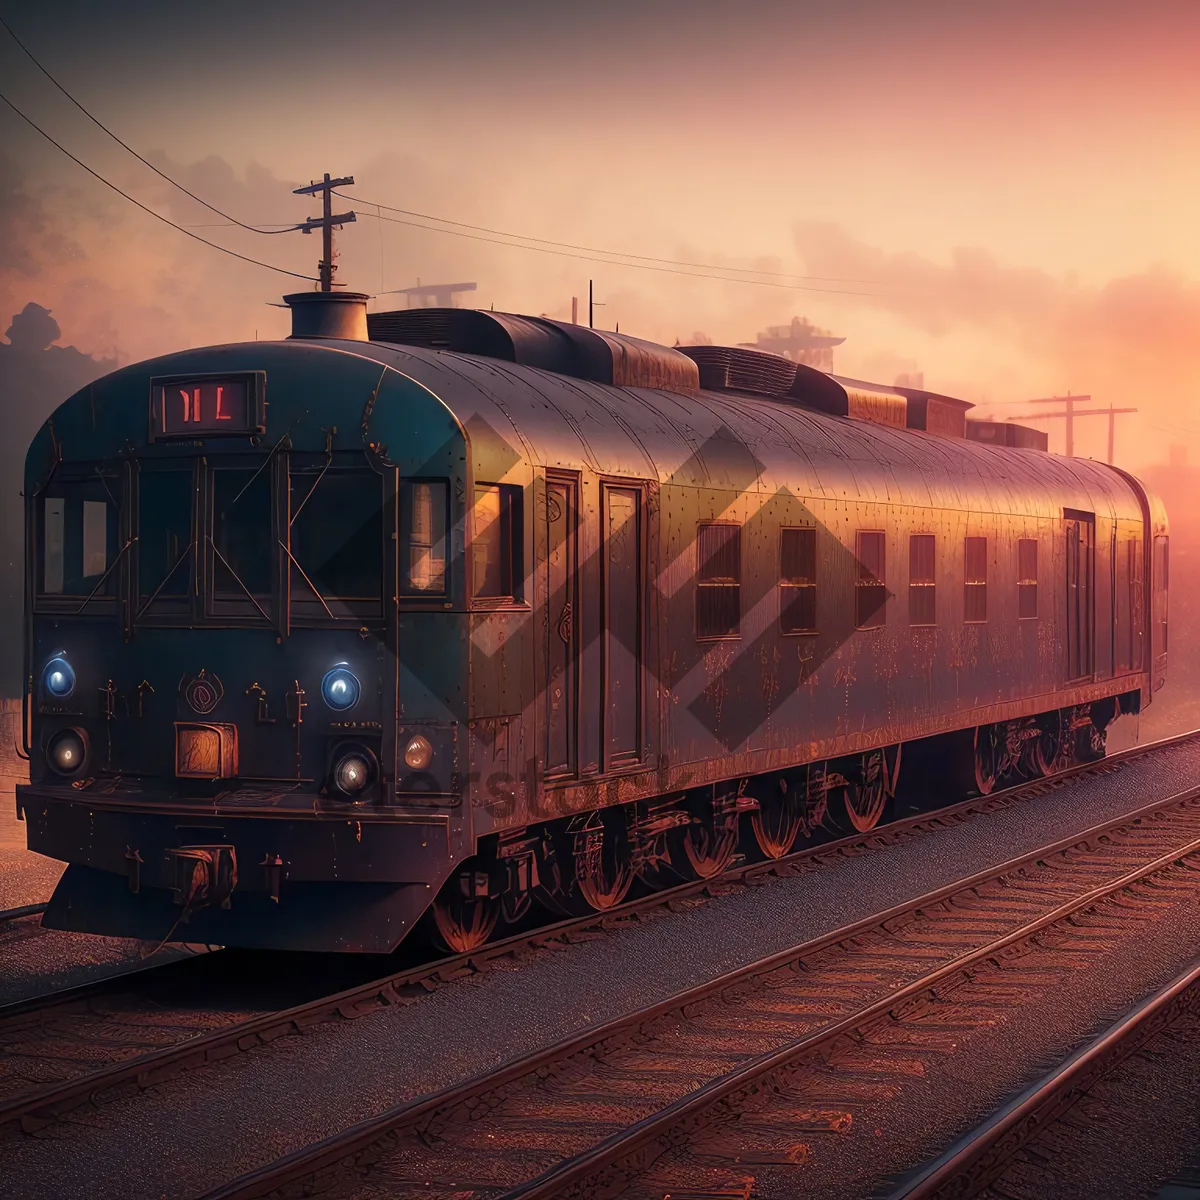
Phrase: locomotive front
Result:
[226,547]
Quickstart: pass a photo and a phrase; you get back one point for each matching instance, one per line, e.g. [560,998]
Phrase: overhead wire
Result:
[641,266]
[673,262]
[125,145]
[157,216]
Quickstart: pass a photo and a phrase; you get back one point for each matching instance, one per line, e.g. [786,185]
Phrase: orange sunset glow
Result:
[998,197]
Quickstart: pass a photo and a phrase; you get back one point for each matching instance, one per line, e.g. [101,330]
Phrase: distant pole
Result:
[574,310]
[591,305]
[1070,401]
[326,222]
[1112,432]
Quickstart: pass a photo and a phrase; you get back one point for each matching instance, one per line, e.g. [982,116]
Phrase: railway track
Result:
[693,1096]
[127,1032]
[1000,1146]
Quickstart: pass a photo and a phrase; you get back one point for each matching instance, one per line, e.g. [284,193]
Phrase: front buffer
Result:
[253,870]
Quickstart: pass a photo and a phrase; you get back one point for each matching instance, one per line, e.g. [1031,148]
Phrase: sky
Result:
[1001,196]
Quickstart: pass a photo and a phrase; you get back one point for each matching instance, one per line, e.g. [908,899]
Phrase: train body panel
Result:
[559,598]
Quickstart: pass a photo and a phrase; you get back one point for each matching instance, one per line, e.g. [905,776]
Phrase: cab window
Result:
[165,563]
[243,555]
[337,546]
[77,538]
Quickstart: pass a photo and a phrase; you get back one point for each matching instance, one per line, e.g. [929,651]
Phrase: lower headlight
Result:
[67,751]
[418,753]
[355,769]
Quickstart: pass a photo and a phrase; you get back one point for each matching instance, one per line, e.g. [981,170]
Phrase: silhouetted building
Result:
[801,341]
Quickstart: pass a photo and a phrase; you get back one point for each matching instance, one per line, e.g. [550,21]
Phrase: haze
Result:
[1000,196]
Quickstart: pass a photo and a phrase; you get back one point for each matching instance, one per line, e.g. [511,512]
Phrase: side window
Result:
[870,590]
[718,580]
[975,579]
[1027,579]
[922,579]
[424,509]
[497,559]
[798,581]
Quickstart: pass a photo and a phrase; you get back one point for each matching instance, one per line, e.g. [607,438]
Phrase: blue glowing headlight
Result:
[58,678]
[340,689]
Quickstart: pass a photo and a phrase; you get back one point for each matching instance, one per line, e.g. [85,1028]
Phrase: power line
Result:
[673,262]
[641,266]
[125,145]
[158,216]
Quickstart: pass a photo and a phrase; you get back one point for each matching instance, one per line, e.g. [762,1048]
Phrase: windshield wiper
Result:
[92,594]
[238,579]
[167,578]
[315,590]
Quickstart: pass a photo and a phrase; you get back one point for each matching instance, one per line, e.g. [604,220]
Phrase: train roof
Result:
[741,439]
[516,417]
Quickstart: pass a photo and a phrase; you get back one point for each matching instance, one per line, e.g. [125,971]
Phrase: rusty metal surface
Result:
[612,1110]
[74,1029]
[479,678]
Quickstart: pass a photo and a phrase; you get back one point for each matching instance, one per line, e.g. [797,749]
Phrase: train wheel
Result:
[603,872]
[707,844]
[987,757]
[1048,748]
[777,821]
[464,919]
[866,801]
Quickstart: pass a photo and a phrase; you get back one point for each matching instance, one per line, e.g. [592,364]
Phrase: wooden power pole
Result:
[1070,412]
[327,222]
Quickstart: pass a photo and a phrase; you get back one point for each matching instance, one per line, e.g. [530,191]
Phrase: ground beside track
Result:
[189,1134]
[34,960]
[1134,1130]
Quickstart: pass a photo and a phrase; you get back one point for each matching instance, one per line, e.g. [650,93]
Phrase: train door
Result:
[560,550]
[623,617]
[1081,594]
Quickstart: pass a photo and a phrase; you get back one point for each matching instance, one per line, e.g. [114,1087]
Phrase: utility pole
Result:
[1070,412]
[1068,402]
[327,222]
[592,306]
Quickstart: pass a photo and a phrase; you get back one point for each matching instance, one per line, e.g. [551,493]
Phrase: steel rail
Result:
[22,910]
[35,1110]
[982,1154]
[290,1169]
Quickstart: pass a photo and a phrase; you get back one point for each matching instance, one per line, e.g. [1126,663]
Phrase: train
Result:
[423,623]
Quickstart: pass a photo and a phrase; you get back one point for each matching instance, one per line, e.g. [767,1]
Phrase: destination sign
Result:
[204,408]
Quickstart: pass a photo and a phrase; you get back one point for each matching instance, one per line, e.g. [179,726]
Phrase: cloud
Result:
[1129,340]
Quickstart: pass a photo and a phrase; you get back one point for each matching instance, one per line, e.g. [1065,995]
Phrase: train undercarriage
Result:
[594,861]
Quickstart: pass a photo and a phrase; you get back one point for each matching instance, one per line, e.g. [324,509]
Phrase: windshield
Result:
[77,538]
[165,561]
[337,539]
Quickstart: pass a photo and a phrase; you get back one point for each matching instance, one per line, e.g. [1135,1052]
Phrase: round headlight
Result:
[355,769]
[340,688]
[66,752]
[418,753]
[58,678]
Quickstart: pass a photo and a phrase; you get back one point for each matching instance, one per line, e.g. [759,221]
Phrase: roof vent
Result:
[735,368]
[595,354]
[738,369]
[329,315]
[1006,433]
